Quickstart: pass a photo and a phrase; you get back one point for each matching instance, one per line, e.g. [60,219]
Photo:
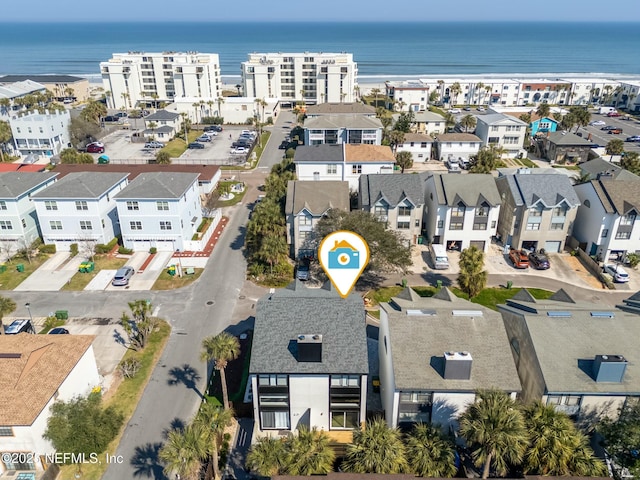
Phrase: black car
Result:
[196,145]
[283,145]
[610,127]
[213,128]
[58,331]
[241,143]
[111,119]
[539,261]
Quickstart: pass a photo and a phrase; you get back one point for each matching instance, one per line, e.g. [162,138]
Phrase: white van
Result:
[606,110]
[439,256]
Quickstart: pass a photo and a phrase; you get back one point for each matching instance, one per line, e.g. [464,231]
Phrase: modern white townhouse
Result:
[140,78]
[456,145]
[332,129]
[159,209]
[435,354]
[18,220]
[40,133]
[307,77]
[418,144]
[461,210]
[80,208]
[234,110]
[37,371]
[504,131]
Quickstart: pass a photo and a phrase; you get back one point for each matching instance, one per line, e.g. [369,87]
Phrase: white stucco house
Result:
[38,370]
[409,95]
[38,134]
[80,208]
[234,110]
[418,144]
[503,131]
[162,125]
[429,123]
[456,145]
[429,369]
[342,128]
[159,209]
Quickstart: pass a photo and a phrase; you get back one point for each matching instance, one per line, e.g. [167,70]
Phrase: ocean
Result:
[383,51]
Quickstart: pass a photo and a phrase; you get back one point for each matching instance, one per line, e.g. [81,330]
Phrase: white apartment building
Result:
[308,77]
[411,95]
[40,133]
[141,77]
[502,131]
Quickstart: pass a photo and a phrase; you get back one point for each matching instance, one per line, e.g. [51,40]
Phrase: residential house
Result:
[603,168]
[159,209]
[435,353]
[429,123]
[80,208]
[162,125]
[309,365]
[579,357]
[343,162]
[14,93]
[543,125]
[306,204]
[564,147]
[18,219]
[538,210]
[234,110]
[40,133]
[396,200]
[418,144]
[503,131]
[35,372]
[334,108]
[607,224]
[412,94]
[59,85]
[461,210]
[343,128]
[456,145]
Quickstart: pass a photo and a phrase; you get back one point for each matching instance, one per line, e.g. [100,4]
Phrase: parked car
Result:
[303,272]
[467,108]
[539,261]
[598,123]
[241,143]
[238,150]
[95,147]
[19,326]
[59,331]
[480,109]
[618,273]
[633,138]
[210,133]
[213,128]
[608,127]
[111,119]
[121,115]
[203,138]
[283,145]
[195,145]
[613,114]
[454,110]
[615,131]
[153,144]
[519,258]
[122,276]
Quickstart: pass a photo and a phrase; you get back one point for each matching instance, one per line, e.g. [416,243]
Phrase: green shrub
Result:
[125,251]
[50,248]
[153,250]
[73,248]
[106,248]
[51,322]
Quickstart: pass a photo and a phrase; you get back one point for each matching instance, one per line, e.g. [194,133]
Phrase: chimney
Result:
[457,365]
[309,348]
[609,368]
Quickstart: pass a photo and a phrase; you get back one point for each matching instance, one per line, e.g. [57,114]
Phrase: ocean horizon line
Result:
[319,22]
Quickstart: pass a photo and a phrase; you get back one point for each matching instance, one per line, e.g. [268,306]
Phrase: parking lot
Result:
[601,137]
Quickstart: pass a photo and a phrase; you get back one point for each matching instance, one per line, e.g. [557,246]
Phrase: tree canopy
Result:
[71,155]
[472,277]
[622,437]
[631,161]
[377,448]
[404,160]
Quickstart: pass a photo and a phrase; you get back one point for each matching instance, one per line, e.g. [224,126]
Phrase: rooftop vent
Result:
[467,313]
[10,355]
[609,368]
[556,314]
[412,312]
[523,171]
[309,348]
[457,365]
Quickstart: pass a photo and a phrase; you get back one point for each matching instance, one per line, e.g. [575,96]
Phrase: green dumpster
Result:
[20,267]
[172,270]
[62,314]
[82,268]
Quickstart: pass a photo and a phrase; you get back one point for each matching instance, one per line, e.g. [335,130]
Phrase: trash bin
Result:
[509,284]
[20,267]
[89,267]
[62,314]
[82,268]
[172,270]
[420,240]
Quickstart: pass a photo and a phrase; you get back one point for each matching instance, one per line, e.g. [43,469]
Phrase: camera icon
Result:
[343,257]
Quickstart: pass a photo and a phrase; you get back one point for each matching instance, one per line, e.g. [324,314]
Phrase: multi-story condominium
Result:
[505,131]
[18,219]
[456,145]
[410,95]
[159,209]
[142,77]
[590,90]
[418,144]
[309,365]
[307,77]
[396,200]
[628,96]
[40,133]
[461,210]
[436,353]
[474,90]
[342,129]
[578,357]
[607,223]
[13,92]
[80,208]
[538,210]
[306,205]
[63,87]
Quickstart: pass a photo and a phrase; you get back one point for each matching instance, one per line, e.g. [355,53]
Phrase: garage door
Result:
[552,247]
[478,244]
[140,245]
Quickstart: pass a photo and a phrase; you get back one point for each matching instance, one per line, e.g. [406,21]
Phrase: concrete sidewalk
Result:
[52,274]
[146,279]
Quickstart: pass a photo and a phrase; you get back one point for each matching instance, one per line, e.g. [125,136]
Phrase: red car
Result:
[95,148]
[613,114]
[519,258]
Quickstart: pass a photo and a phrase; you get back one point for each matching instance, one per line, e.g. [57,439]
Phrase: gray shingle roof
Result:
[471,189]
[342,121]
[169,185]
[160,129]
[319,153]
[161,115]
[289,312]
[499,118]
[16,184]
[458,137]
[316,198]
[618,196]
[418,343]
[600,165]
[392,188]
[560,138]
[82,185]
[551,189]
[340,109]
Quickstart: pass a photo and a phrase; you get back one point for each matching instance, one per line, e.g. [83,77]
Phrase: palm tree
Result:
[377,448]
[309,453]
[430,453]
[261,102]
[607,93]
[487,89]
[441,86]
[468,122]
[222,348]
[494,428]
[631,162]
[5,103]
[7,305]
[215,420]
[449,121]
[455,90]
[404,160]
[185,450]
[196,107]
[472,278]
[163,157]
[210,112]
[375,92]
[479,87]
[272,248]
[614,147]
[396,137]
[5,136]
[543,110]
[152,126]
[267,457]
[581,178]
[238,87]
[125,98]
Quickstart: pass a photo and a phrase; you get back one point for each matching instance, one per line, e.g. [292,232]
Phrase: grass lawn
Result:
[528,163]
[11,278]
[177,146]
[103,262]
[237,197]
[126,398]
[167,282]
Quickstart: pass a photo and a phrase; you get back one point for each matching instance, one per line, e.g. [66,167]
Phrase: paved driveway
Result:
[52,274]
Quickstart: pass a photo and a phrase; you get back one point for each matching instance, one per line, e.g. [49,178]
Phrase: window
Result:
[18,461]
[440,223]
[165,225]
[557,225]
[456,225]
[479,226]
[275,420]
[162,206]
[458,211]
[482,210]
[6,225]
[628,219]
[381,211]
[623,235]
[404,225]
[494,140]
[344,419]
[510,140]
[332,169]
[560,212]
[356,169]
[272,380]
[55,225]
[24,223]
[305,220]
[415,397]
[493,224]
[404,211]
[3,205]
[135,225]
[495,128]
[133,206]
[345,380]
[82,205]
[533,226]
[269,399]
[49,205]
[85,225]
[605,232]
[6,432]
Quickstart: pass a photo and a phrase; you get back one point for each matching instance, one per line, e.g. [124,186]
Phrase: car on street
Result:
[95,147]
[122,276]
[480,109]
[121,115]
[111,119]
[618,273]
[613,114]
[303,272]
[519,258]
[203,138]
[454,110]
[153,145]
[598,123]
[467,108]
[59,331]
[195,145]
[213,128]
[539,261]
[238,151]
[633,138]
[615,131]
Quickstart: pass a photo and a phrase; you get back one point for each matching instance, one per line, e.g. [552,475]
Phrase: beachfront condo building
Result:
[140,78]
[311,78]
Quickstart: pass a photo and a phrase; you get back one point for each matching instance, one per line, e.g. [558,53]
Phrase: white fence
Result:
[198,245]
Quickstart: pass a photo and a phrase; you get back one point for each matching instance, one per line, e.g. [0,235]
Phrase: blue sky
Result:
[275,10]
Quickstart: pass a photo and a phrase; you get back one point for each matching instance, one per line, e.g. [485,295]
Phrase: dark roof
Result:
[601,166]
[41,78]
[15,184]
[560,138]
[316,198]
[340,109]
[458,137]
[161,115]
[82,185]
[618,196]
[165,185]
[392,188]
[550,189]
[160,129]
[283,315]
[471,189]
[206,172]
[319,153]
